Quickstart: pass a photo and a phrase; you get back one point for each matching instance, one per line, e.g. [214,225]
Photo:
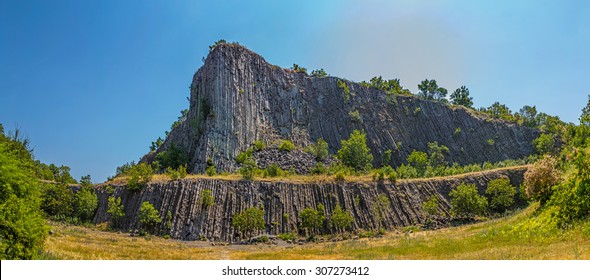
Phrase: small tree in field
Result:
[249,221]
[500,194]
[149,217]
[312,220]
[341,220]
[466,202]
[116,210]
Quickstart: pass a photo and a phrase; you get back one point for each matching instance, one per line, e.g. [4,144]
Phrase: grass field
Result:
[495,239]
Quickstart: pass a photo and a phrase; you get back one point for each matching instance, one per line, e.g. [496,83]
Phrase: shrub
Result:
[57,200]
[500,194]
[436,154]
[149,217]
[319,150]
[178,173]
[312,220]
[341,220]
[354,152]
[319,168]
[430,206]
[274,170]
[139,175]
[386,158]
[172,157]
[345,90]
[289,236]
[259,145]
[211,170]
[248,169]
[545,144]
[540,179]
[490,142]
[286,146]
[340,176]
[355,116]
[299,69]
[243,156]
[115,209]
[207,198]
[320,73]
[466,202]
[418,160]
[86,203]
[249,221]
[385,172]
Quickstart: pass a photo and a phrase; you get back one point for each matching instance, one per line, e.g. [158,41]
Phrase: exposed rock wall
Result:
[190,220]
[237,98]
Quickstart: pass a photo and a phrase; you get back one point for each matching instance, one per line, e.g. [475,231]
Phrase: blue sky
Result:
[92,83]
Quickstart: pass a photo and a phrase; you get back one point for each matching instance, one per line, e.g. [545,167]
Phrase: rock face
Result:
[237,98]
[283,202]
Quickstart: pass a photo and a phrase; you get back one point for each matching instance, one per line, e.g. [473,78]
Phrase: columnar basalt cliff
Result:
[237,98]
[283,201]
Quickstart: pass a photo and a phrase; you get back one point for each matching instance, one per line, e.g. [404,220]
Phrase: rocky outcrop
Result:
[283,201]
[236,98]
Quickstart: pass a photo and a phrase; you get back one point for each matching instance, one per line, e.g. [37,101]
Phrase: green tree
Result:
[341,220]
[466,202]
[319,150]
[461,97]
[299,69]
[207,199]
[312,220]
[116,210]
[430,206]
[176,173]
[585,117]
[172,157]
[86,203]
[22,229]
[500,194]
[85,181]
[345,90]
[500,111]
[529,115]
[57,201]
[248,169]
[418,160]
[436,154]
[320,73]
[249,221]
[431,91]
[354,152]
[217,43]
[286,146]
[149,217]
[545,144]
[139,175]
[156,144]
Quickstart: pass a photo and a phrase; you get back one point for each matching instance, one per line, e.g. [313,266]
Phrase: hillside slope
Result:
[237,98]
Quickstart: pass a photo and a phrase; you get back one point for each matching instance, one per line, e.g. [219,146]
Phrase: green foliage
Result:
[139,176]
[354,152]
[466,202]
[319,150]
[461,97]
[156,144]
[243,156]
[500,194]
[457,132]
[390,87]
[355,116]
[217,43]
[249,221]
[529,116]
[22,229]
[431,91]
[419,161]
[319,73]
[345,90]
[259,145]
[540,178]
[379,208]
[211,170]
[286,146]
[274,170]
[57,201]
[585,117]
[341,220]
[61,174]
[299,69]
[248,169]
[545,144]
[176,173]
[490,142]
[124,169]
[172,157]
[115,209]
[288,236]
[436,154]
[207,199]
[149,217]
[312,220]
[86,203]
[430,206]
[386,158]
[385,172]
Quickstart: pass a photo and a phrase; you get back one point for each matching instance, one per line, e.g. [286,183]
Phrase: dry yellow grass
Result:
[487,240]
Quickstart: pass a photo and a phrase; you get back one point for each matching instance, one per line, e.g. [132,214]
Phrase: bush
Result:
[259,145]
[354,152]
[500,194]
[57,200]
[379,208]
[319,150]
[248,169]
[86,203]
[466,202]
[243,156]
[418,160]
[211,170]
[355,116]
[178,173]
[312,220]
[115,209]
[286,146]
[545,144]
[149,217]
[289,236]
[385,172]
[320,73]
[139,175]
[540,179]
[172,157]
[319,168]
[274,170]
[249,221]
[207,198]
[430,206]
[345,90]
[341,220]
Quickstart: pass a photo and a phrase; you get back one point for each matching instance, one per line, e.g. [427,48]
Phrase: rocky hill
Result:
[236,98]
[283,201]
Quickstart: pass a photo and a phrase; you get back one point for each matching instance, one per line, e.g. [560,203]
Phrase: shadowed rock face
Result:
[283,202]
[238,98]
